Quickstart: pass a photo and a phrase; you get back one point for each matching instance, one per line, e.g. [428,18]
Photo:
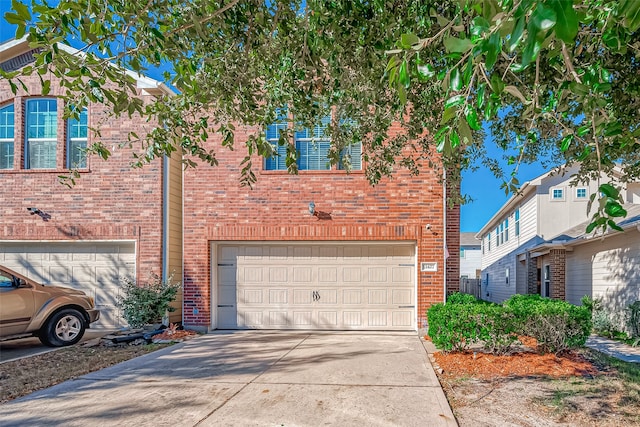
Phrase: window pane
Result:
[273,135]
[41,130]
[355,154]
[7,122]
[42,154]
[313,155]
[76,149]
[42,118]
[6,155]
[7,134]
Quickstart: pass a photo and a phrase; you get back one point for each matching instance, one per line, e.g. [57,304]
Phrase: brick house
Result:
[319,250]
[116,221]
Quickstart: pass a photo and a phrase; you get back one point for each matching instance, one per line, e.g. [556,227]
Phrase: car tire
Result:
[66,327]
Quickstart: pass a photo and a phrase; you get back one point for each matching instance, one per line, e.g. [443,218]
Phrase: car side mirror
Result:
[22,283]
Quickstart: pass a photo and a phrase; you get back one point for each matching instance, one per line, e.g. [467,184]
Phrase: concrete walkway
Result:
[614,348]
[253,379]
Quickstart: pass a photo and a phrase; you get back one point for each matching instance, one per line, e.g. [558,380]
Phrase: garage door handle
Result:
[225,305]
[316,295]
[406,306]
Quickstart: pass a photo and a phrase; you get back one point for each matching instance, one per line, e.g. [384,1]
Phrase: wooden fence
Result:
[470,286]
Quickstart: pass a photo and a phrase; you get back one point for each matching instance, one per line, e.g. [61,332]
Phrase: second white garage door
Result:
[339,286]
[93,267]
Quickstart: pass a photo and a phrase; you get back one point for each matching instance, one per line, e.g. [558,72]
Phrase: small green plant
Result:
[147,303]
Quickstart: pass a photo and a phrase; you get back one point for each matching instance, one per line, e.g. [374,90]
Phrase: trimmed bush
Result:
[556,325]
[463,321]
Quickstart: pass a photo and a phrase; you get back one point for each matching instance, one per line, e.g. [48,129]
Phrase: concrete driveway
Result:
[253,379]
[27,347]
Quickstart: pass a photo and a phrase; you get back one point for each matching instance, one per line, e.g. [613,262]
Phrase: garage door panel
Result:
[93,267]
[315,286]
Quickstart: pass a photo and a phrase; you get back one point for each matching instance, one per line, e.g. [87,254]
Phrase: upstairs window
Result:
[462,252]
[77,142]
[41,134]
[581,193]
[506,230]
[312,146]
[557,194]
[517,222]
[7,136]
[488,241]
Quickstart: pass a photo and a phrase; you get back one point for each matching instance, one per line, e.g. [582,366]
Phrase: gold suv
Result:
[56,315]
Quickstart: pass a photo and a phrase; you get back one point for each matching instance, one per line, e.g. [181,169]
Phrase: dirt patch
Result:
[24,376]
[582,388]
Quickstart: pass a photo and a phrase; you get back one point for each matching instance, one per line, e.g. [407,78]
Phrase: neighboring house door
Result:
[546,284]
[332,286]
[93,267]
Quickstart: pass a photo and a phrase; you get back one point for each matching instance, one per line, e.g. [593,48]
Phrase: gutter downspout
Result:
[165,217]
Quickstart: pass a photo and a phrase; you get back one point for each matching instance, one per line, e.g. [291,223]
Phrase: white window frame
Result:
[73,141]
[8,144]
[516,221]
[552,194]
[45,143]
[586,193]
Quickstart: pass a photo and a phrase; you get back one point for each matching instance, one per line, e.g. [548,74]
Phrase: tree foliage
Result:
[553,77]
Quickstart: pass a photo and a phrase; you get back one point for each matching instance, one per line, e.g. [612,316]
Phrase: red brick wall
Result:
[109,201]
[276,209]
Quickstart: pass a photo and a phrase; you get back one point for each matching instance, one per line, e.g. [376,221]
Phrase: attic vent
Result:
[19,61]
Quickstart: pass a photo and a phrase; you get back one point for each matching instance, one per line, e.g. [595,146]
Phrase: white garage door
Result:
[93,267]
[315,286]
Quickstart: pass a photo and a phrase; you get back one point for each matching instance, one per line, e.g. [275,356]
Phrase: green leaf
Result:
[46,87]
[614,209]
[566,142]
[14,19]
[472,118]
[403,76]
[583,130]
[609,190]
[567,20]
[454,44]
[630,9]
[21,9]
[493,47]
[448,114]
[543,18]
[497,85]
[614,226]
[579,88]
[480,95]
[516,35]
[465,132]
[454,100]
[455,81]
[455,140]
[408,40]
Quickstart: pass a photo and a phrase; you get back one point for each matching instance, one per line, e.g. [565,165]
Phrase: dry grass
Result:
[24,376]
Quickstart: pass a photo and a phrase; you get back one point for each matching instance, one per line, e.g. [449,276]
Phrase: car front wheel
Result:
[65,327]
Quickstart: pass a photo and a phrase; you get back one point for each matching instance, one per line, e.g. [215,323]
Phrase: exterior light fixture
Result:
[34,211]
[312,208]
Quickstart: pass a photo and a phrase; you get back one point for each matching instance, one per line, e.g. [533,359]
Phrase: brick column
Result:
[557,266]
[532,274]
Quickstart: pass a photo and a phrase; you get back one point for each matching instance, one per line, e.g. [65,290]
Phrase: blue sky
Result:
[480,185]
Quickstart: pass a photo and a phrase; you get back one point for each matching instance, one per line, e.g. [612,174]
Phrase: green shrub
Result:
[460,298]
[556,325]
[147,303]
[453,327]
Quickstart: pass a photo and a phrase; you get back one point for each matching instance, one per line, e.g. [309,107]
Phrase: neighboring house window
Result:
[462,252]
[557,194]
[517,217]
[41,134]
[489,241]
[312,146]
[7,134]
[506,230]
[497,236]
[581,193]
[77,142]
